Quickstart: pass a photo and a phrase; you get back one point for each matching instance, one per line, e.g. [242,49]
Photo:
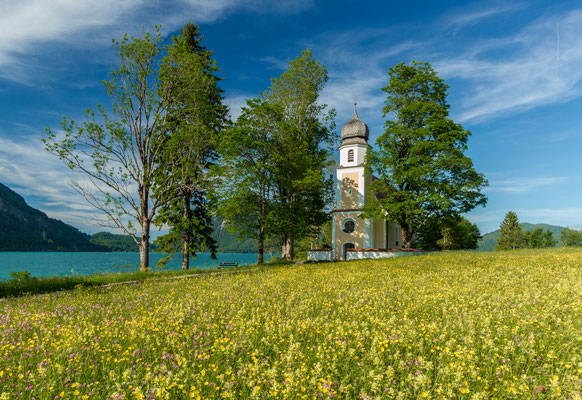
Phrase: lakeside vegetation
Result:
[450,325]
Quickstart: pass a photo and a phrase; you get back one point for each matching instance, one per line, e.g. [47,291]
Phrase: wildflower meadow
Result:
[459,325]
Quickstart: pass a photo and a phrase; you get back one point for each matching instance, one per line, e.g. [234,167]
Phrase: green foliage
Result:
[450,233]
[23,228]
[117,150]
[303,153]
[277,160]
[511,235]
[489,240]
[22,283]
[538,239]
[247,172]
[571,237]
[114,242]
[194,121]
[420,162]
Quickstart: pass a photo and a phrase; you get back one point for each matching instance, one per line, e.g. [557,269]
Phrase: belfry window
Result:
[350,155]
[349,226]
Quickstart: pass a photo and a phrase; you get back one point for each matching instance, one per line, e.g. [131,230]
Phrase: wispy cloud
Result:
[569,216]
[523,185]
[465,18]
[33,26]
[27,168]
[539,65]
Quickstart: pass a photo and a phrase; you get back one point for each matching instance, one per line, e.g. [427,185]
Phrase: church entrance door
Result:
[346,247]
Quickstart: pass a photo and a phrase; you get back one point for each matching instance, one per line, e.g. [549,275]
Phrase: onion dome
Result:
[355,130]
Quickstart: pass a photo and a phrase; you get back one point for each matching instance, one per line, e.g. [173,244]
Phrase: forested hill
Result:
[23,228]
[489,240]
[229,243]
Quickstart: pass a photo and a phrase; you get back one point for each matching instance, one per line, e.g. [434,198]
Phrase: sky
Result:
[514,70]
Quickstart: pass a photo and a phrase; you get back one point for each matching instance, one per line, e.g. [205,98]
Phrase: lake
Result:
[79,263]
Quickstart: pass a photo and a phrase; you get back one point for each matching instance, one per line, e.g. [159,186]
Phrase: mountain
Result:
[229,243]
[489,240]
[23,228]
[114,242]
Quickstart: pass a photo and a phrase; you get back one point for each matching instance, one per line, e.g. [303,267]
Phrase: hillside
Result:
[229,243]
[489,240]
[27,229]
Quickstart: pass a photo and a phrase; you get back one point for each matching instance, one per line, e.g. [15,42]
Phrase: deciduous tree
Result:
[247,172]
[117,151]
[571,237]
[302,154]
[420,158]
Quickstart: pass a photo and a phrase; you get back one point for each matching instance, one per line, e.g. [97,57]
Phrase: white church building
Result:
[354,237]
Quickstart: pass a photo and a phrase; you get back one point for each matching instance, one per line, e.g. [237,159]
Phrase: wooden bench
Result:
[228,264]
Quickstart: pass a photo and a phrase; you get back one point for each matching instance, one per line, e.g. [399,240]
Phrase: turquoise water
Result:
[50,264]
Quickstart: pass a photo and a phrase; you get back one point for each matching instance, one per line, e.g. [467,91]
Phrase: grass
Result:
[442,326]
[22,284]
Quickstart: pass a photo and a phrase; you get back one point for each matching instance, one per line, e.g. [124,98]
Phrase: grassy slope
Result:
[489,240]
[454,325]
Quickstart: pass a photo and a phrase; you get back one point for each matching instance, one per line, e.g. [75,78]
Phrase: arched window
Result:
[349,226]
[350,156]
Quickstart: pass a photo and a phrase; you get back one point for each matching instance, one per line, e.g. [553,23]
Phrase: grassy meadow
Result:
[458,325]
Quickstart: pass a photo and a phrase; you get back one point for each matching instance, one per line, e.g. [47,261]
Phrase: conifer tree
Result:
[511,236]
[194,123]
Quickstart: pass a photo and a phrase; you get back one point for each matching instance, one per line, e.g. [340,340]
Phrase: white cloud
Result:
[461,20]
[523,185]
[27,168]
[541,64]
[29,27]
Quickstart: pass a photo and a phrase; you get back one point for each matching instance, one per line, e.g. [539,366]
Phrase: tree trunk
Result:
[185,256]
[261,245]
[185,251]
[287,248]
[144,246]
[406,236]
[261,251]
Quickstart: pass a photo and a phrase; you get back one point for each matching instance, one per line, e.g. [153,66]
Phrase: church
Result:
[352,236]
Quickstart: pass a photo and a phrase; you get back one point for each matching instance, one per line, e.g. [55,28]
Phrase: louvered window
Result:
[350,156]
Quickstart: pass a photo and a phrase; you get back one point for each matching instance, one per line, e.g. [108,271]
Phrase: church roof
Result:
[355,130]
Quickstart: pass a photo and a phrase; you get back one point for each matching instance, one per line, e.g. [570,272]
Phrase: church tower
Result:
[349,230]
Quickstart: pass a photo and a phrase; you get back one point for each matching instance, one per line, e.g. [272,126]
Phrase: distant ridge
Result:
[489,240]
[23,228]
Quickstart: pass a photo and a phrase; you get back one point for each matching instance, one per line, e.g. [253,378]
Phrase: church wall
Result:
[356,237]
[379,234]
[350,181]
[394,236]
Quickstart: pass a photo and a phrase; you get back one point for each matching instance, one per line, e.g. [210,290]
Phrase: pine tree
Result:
[511,235]
[194,121]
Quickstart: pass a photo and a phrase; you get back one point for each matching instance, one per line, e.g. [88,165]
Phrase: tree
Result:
[302,155]
[194,122]
[117,151]
[452,233]
[571,237]
[538,239]
[511,235]
[420,162]
[246,172]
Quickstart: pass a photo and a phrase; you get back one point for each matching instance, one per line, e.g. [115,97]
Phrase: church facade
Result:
[354,237]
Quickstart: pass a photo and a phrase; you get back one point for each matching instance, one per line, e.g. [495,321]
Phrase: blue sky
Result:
[515,71]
